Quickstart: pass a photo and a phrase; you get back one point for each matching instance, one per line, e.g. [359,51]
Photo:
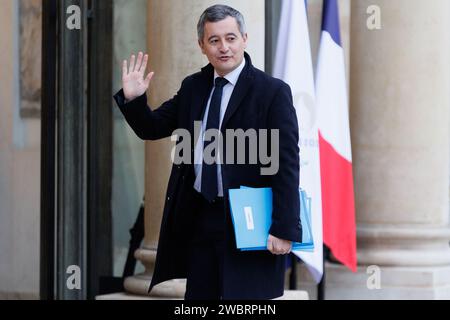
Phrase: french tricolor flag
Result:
[338,210]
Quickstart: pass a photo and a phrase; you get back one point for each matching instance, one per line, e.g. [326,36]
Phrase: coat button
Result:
[168,198]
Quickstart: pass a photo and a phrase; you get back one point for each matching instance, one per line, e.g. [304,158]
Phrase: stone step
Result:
[288,295]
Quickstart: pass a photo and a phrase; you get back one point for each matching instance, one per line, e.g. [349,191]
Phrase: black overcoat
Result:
[258,101]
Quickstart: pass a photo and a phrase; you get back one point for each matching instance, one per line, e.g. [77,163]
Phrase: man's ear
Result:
[200,44]
[244,37]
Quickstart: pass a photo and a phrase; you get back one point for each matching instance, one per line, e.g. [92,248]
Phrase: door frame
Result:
[76,150]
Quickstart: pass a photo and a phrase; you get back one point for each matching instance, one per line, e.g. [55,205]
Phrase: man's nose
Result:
[223,46]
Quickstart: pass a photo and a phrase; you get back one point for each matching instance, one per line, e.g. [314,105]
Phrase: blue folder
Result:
[251,212]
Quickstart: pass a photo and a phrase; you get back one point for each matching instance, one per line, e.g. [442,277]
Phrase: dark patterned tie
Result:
[209,171]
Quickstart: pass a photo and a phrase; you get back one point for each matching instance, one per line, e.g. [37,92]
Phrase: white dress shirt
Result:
[232,78]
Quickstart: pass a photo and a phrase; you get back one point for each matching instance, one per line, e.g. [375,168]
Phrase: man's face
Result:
[224,45]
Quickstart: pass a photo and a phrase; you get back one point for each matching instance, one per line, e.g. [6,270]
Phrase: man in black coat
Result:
[197,239]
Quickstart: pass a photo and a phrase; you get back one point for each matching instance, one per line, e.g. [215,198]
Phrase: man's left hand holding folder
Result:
[278,246]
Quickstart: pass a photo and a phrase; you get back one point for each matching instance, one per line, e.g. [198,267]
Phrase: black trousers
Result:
[206,251]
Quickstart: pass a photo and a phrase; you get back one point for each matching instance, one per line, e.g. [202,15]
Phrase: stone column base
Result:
[140,283]
[395,282]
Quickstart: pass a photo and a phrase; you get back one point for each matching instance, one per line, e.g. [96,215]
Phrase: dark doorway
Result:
[76,156]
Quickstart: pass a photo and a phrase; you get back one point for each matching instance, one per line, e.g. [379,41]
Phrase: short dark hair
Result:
[216,13]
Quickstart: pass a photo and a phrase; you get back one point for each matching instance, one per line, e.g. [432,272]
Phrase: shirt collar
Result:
[233,76]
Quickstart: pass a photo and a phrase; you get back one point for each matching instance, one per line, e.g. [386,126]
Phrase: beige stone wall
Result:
[19,171]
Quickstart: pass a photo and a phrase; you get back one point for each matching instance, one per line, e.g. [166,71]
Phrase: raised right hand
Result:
[133,82]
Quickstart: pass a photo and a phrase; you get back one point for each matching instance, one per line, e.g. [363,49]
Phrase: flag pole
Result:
[322,283]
